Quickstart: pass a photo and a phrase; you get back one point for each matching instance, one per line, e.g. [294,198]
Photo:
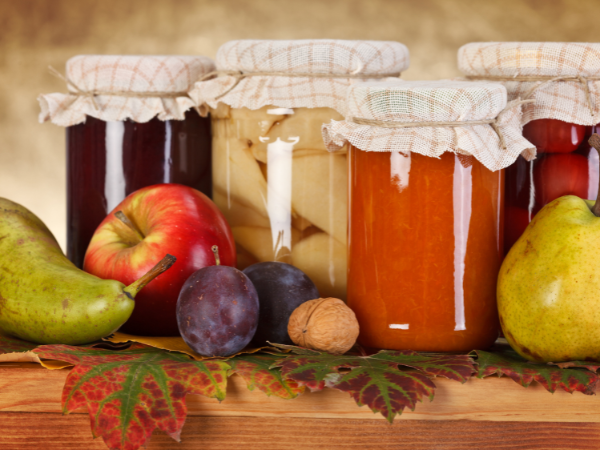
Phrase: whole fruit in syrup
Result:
[554,136]
[217,310]
[558,175]
[281,289]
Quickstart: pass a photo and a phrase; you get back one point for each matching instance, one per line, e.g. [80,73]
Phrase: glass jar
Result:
[283,194]
[565,165]
[108,160]
[424,250]
[130,123]
[560,78]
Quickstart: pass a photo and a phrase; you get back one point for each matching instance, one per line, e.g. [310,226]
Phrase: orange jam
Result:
[425,248]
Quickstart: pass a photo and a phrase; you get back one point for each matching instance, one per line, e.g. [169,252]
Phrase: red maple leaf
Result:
[257,372]
[130,393]
[508,362]
[376,380]
[10,344]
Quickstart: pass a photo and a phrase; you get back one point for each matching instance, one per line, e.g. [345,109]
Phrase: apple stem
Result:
[215,250]
[124,219]
[137,285]
[594,141]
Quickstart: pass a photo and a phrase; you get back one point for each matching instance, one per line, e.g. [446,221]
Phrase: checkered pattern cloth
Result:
[432,101]
[140,76]
[327,56]
[562,100]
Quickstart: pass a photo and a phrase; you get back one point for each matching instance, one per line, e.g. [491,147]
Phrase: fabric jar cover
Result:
[101,78]
[401,102]
[563,99]
[319,57]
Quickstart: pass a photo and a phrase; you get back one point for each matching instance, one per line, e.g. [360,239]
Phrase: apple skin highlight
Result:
[171,218]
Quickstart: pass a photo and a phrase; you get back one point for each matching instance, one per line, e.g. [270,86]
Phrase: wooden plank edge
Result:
[19,431]
[28,388]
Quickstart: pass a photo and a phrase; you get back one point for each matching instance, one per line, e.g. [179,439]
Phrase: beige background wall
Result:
[38,33]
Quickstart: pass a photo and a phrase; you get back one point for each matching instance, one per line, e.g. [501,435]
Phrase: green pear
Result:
[44,298]
[549,283]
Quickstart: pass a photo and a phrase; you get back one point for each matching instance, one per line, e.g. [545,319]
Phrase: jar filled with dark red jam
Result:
[561,80]
[129,124]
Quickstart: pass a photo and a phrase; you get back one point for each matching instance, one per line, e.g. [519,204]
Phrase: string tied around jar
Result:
[466,123]
[240,75]
[92,94]
[542,81]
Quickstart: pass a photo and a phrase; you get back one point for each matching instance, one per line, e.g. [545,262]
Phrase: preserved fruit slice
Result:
[320,192]
[260,243]
[235,170]
[558,175]
[238,214]
[323,259]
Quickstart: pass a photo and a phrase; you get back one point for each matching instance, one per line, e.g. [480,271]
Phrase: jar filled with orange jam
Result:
[426,211]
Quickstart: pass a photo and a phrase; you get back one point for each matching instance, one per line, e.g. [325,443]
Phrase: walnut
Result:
[325,324]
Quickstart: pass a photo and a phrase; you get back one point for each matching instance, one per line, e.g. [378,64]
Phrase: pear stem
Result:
[124,219]
[594,141]
[162,265]
[215,250]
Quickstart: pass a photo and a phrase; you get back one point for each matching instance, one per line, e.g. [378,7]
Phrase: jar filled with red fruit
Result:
[129,124]
[425,209]
[283,194]
[564,80]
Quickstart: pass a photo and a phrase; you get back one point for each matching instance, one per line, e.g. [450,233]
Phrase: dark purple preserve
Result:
[106,161]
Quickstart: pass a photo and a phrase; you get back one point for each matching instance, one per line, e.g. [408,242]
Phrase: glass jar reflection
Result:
[425,247]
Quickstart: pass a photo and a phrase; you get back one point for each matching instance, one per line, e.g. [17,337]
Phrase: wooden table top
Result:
[490,413]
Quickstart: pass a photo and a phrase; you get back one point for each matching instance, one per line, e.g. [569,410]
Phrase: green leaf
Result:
[129,393]
[257,372]
[376,380]
[510,363]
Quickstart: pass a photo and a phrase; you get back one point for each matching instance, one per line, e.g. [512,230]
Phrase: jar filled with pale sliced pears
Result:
[282,192]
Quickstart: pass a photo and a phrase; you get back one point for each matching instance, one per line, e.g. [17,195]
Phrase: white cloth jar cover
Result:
[117,87]
[562,77]
[431,118]
[250,68]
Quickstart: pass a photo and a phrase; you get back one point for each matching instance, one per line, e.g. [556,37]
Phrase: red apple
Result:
[558,175]
[554,136]
[166,218]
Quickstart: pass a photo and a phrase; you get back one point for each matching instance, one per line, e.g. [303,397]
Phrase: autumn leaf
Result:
[10,344]
[589,365]
[376,380]
[454,367]
[510,363]
[257,372]
[129,393]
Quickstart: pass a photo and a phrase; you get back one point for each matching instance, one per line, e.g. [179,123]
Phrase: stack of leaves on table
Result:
[131,392]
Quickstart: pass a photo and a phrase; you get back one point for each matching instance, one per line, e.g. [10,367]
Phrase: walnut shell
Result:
[325,324]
